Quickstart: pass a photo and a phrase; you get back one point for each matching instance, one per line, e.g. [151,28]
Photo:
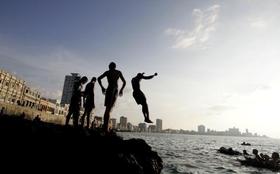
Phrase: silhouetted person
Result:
[245,144]
[275,159]
[22,115]
[76,101]
[88,101]
[37,119]
[2,111]
[111,92]
[245,153]
[139,95]
[256,154]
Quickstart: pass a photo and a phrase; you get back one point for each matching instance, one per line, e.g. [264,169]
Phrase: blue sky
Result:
[217,61]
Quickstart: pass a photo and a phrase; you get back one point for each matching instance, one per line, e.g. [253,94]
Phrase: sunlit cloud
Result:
[204,23]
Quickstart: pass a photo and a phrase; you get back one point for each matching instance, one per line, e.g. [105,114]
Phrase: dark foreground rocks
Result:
[35,146]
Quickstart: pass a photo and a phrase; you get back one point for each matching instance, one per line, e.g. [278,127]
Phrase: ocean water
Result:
[197,154]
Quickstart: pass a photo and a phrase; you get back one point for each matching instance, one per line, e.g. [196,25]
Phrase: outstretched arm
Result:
[100,82]
[149,77]
[124,83]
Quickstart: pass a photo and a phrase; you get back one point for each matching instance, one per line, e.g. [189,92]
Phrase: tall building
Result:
[123,123]
[69,82]
[158,125]
[201,129]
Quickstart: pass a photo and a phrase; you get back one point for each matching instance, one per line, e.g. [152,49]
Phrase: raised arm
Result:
[149,77]
[100,82]
[124,83]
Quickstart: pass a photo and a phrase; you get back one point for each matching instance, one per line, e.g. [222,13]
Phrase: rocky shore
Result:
[52,147]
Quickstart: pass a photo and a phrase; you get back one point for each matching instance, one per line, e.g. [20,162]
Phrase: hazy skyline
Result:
[217,61]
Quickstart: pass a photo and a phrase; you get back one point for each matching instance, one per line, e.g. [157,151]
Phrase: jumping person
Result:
[139,96]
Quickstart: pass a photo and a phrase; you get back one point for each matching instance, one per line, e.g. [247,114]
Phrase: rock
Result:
[67,149]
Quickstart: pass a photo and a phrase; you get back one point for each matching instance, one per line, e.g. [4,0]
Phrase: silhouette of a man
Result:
[76,102]
[111,92]
[2,111]
[88,101]
[139,96]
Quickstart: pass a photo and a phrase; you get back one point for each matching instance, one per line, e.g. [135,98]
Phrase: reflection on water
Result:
[198,154]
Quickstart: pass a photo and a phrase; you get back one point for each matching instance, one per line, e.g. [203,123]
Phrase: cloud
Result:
[204,23]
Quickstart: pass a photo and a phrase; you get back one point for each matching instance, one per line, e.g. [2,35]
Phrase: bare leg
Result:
[83,118]
[76,116]
[68,118]
[106,118]
[146,113]
[88,119]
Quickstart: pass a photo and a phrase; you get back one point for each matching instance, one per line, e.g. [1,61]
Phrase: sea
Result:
[197,154]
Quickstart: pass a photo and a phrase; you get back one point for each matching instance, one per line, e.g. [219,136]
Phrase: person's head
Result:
[139,75]
[84,80]
[112,66]
[244,152]
[266,157]
[255,151]
[275,156]
[93,79]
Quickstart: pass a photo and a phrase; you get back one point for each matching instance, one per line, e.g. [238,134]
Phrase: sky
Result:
[218,61]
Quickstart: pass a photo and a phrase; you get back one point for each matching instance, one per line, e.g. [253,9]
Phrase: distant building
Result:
[31,98]
[152,128]
[130,127]
[113,123]
[97,122]
[233,132]
[158,125]
[47,106]
[142,127]
[123,123]
[69,82]
[11,88]
[201,129]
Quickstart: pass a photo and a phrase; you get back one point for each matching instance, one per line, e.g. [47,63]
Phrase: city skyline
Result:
[217,61]
[13,90]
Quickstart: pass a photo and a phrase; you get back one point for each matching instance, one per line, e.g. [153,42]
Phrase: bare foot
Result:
[148,121]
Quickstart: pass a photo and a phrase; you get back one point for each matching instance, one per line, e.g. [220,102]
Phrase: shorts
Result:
[139,97]
[111,97]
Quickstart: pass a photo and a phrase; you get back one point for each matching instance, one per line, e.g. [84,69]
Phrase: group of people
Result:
[111,93]
[263,160]
[255,159]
